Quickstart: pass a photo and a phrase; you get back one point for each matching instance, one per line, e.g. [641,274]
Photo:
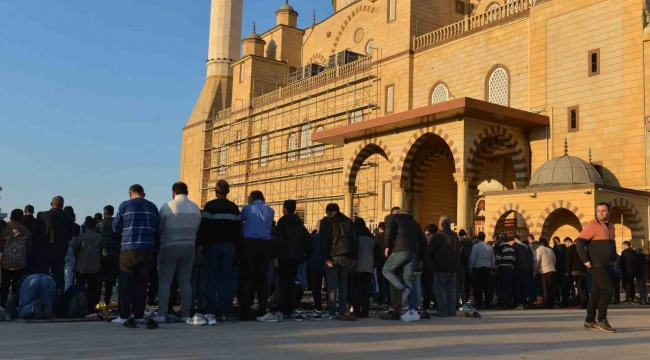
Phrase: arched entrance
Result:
[511,219]
[627,222]
[369,181]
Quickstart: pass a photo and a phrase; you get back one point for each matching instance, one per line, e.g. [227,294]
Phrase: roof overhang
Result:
[457,109]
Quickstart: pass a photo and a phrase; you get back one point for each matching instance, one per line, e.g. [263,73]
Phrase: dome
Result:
[565,170]
[254,36]
[286,7]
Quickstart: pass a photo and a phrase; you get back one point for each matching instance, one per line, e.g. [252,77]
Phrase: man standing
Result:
[560,290]
[257,251]
[293,243]
[88,248]
[505,260]
[52,233]
[545,265]
[28,218]
[427,273]
[178,222]
[136,220]
[597,250]
[404,240]
[463,283]
[628,266]
[110,254]
[578,272]
[444,255]
[481,263]
[316,263]
[339,249]
[15,241]
[219,235]
[380,259]
[522,271]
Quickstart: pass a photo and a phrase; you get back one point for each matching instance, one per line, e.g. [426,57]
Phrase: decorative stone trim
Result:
[548,214]
[506,209]
[636,224]
[358,9]
[364,151]
[412,146]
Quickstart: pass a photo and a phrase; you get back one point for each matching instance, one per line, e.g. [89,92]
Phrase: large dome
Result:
[565,170]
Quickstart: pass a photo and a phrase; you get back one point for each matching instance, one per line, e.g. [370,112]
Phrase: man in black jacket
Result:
[577,272]
[404,240]
[522,271]
[51,235]
[628,266]
[444,256]
[218,239]
[339,249]
[561,288]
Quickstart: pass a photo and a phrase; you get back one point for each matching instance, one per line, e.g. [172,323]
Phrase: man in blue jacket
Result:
[136,220]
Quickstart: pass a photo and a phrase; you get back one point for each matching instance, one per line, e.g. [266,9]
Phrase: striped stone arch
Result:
[366,149]
[318,59]
[358,9]
[403,173]
[424,165]
[507,209]
[544,221]
[485,143]
[628,208]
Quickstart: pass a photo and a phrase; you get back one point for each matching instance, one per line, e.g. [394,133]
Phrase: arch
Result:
[439,93]
[507,209]
[318,59]
[628,208]
[544,220]
[497,135]
[363,151]
[320,149]
[292,145]
[497,82]
[414,143]
[305,141]
[424,166]
[264,149]
[223,159]
[358,9]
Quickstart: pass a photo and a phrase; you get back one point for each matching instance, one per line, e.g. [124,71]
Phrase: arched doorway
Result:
[512,223]
[627,222]
[561,223]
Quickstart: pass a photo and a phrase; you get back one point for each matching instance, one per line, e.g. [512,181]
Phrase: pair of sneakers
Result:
[201,320]
[411,315]
[271,317]
[602,325]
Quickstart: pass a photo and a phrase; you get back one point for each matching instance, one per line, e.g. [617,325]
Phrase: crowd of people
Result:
[202,259]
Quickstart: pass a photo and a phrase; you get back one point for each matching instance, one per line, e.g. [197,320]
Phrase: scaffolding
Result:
[252,147]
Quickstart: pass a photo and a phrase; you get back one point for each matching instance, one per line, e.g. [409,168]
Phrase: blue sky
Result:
[94,94]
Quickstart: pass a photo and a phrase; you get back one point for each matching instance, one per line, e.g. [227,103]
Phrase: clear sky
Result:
[94,94]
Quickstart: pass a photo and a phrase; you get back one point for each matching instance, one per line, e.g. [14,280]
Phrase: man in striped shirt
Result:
[505,261]
[136,220]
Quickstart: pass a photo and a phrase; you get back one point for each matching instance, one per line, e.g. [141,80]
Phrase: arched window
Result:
[320,149]
[439,94]
[494,15]
[305,141]
[356,117]
[293,144]
[498,87]
[223,159]
[264,150]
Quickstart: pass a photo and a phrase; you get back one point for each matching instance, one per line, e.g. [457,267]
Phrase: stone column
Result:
[348,201]
[415,206]
[398,195]
[462,214]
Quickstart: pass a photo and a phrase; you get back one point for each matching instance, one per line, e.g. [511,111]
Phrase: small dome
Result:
[565,170]
[287,7]
[254,36]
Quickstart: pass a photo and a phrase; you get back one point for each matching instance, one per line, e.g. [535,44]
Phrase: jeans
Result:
[178,260]
[253,271]
[361,287]
[94,285]
[135,267]
[403,261]
[219,273]
[35,287]
[68,270]
[483,292]
[504,286]
[600,295]
[642,289]
[384,287]
[108,276]
[444,285]
[302,274]
[337,279]
[317,277]
[417,284]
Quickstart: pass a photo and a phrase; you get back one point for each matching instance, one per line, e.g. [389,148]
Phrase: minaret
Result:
[223,51]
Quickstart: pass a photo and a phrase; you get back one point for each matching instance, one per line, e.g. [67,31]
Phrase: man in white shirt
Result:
[545,265]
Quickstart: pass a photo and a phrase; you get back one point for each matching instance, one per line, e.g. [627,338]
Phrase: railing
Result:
[493,16]
[322,78]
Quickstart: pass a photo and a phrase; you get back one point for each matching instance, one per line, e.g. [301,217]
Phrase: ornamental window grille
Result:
[494,12]
[440,94]
[223,159]
[388,194]
[390,97]
[370,47]
[392,10]
[264,150]
[320,149]
[356,117]
[305,141]
[293,145]
[498,91]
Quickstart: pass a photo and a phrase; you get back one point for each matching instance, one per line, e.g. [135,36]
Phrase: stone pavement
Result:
[534,334]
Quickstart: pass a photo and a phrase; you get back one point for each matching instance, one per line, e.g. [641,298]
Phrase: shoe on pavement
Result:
[315,315]
[271,317]
[352,317]
[151,324]
[211,319]
[411,315]
[118,321]
[604,326]
[590,325]
[130,323]
[342,317]
[425,315]
[298,315]
[390,315]
[197,319]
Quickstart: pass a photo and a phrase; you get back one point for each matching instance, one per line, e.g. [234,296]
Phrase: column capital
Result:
[462,178]
[352,189]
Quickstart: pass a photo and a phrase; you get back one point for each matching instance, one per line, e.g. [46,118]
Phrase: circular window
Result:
[370,47]
[358,35]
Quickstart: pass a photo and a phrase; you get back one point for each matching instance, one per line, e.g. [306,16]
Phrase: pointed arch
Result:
[544,221]
[363,151]
[506,209]
[628,208]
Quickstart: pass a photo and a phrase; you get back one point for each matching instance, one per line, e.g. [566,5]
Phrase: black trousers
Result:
[9,278]
[601,293]
[135,268]
[616,288]
[562,288]
[630,287]
[361,291]
[108,276]
[580,282]
[483,286]
[94,285]
[520,286]
[51,260]
[426,281]
[287,273]
[548,281]
[253,270]
[317,277]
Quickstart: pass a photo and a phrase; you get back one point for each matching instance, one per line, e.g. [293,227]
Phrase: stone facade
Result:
[366,135]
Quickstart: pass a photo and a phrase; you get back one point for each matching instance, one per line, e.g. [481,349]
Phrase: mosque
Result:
[513,116]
